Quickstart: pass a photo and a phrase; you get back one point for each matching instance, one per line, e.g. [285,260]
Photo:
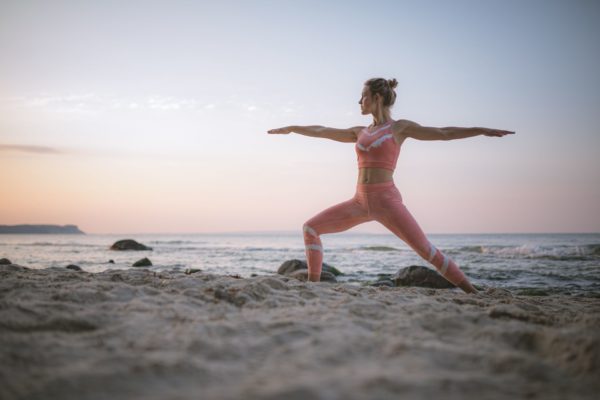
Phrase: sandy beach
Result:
[135,333]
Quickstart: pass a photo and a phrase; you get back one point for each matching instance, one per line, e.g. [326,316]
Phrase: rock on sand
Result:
[129,244]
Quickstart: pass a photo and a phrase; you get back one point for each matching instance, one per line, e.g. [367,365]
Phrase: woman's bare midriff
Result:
[374,175]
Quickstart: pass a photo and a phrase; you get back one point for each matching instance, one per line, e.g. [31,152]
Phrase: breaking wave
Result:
[562,252]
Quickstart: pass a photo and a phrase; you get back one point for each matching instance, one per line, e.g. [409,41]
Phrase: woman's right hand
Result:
[284,130]
[496,132]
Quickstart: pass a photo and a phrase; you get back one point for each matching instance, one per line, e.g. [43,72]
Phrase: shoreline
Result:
[138,333]
[345,278]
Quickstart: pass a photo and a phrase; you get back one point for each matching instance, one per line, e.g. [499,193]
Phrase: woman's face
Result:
[367,101]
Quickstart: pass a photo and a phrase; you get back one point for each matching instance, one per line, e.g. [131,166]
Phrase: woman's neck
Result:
[381,117]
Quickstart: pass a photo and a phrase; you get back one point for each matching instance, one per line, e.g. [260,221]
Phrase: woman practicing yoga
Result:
[377,198]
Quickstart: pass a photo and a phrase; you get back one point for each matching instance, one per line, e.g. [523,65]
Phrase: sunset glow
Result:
[128,118]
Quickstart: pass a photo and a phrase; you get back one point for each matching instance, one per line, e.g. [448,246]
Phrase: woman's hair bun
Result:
[384,88]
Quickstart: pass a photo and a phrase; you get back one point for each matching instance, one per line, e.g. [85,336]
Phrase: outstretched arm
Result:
[412,129]
[339,135]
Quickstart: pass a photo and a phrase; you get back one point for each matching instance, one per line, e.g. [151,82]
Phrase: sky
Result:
[151,116]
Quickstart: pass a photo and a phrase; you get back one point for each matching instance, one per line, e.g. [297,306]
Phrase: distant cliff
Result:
[55,229]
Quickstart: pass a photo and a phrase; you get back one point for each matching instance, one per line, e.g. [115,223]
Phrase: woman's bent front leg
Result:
[337,218]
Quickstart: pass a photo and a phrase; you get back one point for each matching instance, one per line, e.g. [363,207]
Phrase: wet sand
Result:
[135,333]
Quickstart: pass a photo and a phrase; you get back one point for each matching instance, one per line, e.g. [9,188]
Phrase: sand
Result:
[126,334]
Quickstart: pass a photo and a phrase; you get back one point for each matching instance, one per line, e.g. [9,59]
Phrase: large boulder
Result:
[5,261]
[299,270]
[129,244]
[144,262]
[416,275]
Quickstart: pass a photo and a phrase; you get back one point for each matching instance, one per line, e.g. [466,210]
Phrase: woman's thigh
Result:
[390,211]
[339,217]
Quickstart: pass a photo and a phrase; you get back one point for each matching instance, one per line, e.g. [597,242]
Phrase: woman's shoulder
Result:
[357,129]
[400,124]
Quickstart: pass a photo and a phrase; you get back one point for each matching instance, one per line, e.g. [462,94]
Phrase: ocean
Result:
[535,264]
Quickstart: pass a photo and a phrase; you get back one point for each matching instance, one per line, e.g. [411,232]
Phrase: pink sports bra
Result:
[377,149]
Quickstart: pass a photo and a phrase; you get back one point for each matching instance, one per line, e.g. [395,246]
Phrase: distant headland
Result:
[51,229]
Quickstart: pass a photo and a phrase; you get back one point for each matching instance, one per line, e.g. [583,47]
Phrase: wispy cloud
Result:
[86,152]
[24,148]
[94,105]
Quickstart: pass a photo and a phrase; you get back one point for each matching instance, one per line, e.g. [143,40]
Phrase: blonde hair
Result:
[384,88]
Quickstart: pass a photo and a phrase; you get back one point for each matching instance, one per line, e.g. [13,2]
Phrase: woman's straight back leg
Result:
[388,209]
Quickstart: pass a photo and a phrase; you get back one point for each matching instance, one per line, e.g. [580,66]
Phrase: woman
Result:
[377,198]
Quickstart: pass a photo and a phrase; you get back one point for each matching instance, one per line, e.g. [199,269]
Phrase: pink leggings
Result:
[381,202]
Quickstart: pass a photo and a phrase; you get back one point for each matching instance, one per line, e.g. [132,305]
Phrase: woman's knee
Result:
[309,231]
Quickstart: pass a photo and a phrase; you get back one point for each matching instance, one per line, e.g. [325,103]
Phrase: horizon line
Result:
[345,232]
[283,231]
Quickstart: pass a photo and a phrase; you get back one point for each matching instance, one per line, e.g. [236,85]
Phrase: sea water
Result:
[527,263]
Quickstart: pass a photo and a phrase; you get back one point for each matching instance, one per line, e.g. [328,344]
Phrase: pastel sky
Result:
[139,117]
